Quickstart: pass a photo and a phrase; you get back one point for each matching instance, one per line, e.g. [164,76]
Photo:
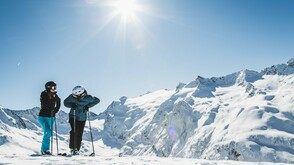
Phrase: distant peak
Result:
[123,99]
[280,69]
[246,75]
[199,80]
[180,86]
[291,62]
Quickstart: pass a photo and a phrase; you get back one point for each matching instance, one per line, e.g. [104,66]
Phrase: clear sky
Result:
[119,49]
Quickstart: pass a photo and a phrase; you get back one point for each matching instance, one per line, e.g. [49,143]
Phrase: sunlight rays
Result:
[127,16]
[126,8]
[126,12]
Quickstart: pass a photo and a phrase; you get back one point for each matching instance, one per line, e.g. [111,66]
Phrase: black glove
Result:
[55,110]
[86,108]
[74,106]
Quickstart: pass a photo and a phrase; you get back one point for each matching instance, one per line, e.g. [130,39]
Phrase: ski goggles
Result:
[53,88]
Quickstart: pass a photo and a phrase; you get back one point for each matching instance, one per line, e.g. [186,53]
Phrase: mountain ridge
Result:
[246,115]
[197,120]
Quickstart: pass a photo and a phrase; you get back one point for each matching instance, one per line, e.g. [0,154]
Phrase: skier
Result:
[79,103]
[50,104]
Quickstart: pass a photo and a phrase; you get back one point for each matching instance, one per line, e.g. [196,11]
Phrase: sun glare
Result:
[126,8]
[126,15]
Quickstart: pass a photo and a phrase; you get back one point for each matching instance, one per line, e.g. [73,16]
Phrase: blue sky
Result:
[74,42]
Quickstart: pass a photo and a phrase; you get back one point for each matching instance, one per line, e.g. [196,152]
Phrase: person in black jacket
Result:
[50,104]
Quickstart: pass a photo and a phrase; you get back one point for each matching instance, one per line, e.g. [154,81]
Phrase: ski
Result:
[91,155]
[62,154]
[47,155]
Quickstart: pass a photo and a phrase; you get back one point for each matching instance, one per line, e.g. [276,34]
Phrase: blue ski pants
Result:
[47,125]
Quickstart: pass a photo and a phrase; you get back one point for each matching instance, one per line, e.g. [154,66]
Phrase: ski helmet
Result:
[50,84]
[78,90]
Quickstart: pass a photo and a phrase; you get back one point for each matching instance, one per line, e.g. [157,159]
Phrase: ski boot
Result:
[74,152]
[46,152]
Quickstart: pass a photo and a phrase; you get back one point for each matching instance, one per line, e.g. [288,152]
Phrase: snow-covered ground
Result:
[132,160]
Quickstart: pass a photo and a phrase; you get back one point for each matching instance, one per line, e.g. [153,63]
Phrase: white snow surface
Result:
[242,118]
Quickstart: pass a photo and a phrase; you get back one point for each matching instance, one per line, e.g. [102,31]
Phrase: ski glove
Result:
[74,105]
[86,108]
[55,110]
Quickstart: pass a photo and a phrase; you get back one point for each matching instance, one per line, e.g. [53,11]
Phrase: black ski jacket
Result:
[49,107]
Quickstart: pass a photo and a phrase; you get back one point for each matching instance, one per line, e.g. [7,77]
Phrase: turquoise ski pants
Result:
[47,125]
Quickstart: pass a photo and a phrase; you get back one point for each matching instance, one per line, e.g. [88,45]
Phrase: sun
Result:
[128,16]
[126,9]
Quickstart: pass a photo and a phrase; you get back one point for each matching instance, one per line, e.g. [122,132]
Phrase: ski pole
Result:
[56,132]
[51,126]
[92,154]
[75,143]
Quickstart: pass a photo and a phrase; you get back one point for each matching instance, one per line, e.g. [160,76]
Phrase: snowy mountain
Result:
[20,130]
[246,116]
[20,141]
